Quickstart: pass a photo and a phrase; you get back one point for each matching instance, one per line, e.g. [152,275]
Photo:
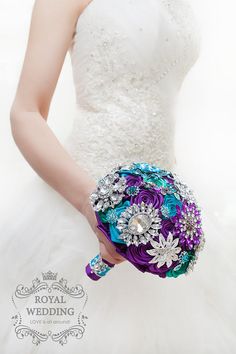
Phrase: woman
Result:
[129,59]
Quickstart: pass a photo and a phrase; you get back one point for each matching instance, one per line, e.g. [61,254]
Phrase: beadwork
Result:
[123,91]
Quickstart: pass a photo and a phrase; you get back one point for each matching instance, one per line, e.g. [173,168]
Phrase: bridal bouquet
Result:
[151,216]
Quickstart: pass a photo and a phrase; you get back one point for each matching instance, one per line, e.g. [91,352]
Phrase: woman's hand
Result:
[107,249]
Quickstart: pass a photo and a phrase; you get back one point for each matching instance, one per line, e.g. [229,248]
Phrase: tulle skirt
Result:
[126,311]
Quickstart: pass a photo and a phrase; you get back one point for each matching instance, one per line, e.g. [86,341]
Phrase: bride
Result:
[129,59]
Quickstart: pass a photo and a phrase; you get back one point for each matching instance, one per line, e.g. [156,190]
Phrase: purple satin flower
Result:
[167,225]
[148,196]
[134,180]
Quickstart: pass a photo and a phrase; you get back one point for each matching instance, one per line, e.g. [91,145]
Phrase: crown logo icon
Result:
[49,275]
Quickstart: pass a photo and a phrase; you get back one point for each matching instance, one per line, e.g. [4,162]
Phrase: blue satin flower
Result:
[145,170]
[146,167]
[125,172]
[112,216]
[168,208]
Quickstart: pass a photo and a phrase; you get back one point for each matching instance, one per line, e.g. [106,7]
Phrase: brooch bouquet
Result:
[151,216]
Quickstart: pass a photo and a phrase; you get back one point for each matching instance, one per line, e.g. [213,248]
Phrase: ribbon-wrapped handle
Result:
[98,267]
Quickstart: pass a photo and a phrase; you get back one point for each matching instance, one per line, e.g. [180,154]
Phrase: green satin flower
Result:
[160,182]
[146,167]
[185,257]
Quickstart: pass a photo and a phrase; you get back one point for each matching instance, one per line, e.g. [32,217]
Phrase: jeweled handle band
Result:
[98,267]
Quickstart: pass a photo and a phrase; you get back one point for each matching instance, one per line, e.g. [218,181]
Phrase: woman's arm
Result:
[51,29]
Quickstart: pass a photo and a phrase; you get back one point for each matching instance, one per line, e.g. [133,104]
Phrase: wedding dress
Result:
[129,59]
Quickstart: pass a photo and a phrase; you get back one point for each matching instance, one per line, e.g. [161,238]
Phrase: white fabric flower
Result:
[164,251]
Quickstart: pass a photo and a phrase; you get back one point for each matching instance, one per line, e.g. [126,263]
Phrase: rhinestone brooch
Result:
[110,191]
[139,223]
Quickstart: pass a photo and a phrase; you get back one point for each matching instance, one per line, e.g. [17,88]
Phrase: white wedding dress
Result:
[129,59]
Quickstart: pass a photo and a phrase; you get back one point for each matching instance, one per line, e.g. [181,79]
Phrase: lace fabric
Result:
[129,59]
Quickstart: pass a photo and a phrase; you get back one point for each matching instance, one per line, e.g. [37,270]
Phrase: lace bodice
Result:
[129,59]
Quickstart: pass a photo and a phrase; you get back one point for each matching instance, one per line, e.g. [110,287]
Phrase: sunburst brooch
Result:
[139,223]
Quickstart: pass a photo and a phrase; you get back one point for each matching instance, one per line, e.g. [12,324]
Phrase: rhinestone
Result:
[156,226]
[152,232]
[114,197]
[104,190]
[139,223]
[99,204]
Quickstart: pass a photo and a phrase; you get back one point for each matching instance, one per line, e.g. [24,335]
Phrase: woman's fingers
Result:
[107,248]
[110,254]
[110,247]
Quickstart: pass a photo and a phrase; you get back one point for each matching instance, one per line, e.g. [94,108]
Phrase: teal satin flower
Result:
[146,171]
[111,215]
[168,208]
[140,168]
[146,167]
[153,178]
[185,257]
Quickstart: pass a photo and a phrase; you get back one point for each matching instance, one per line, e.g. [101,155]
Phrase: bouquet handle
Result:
[98,267]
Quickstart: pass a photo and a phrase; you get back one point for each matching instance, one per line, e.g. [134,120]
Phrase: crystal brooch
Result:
[109,192]
[139,223]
